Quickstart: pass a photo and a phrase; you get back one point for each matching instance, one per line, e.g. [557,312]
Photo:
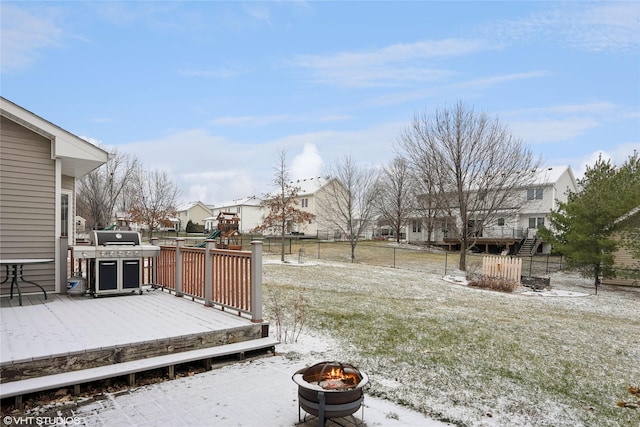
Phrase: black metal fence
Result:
[404,256]
[384,253]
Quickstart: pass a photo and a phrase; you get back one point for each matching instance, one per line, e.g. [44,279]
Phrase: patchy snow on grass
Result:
[473,356]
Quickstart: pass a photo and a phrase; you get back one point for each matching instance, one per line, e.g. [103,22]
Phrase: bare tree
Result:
[281,207]
[427,202]
[475,164]
[349,201]
[101,190]
[396,197]
[154,202]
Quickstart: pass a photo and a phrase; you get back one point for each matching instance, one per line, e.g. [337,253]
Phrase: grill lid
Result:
[116,237]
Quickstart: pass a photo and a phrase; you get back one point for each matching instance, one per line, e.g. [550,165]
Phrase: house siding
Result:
[196,213]
[250,217]
[27,202]
[624,261]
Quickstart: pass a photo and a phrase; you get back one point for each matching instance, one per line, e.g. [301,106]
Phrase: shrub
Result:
[194,228]
[493,283]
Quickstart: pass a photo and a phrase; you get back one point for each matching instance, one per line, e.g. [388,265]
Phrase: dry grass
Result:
[476,357]
[403,256]
[494,283]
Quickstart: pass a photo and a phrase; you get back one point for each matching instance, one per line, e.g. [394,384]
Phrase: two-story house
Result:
[248,210]
[309,193]
[513,227]
[196,212]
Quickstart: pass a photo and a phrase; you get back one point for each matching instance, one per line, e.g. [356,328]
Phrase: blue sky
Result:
[211,91]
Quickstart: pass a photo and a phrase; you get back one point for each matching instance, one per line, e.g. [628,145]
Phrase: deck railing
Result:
[224,279]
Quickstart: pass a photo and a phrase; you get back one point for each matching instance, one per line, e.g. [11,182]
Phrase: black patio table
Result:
[17,266]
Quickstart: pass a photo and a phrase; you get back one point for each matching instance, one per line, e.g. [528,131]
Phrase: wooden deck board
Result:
[64,324]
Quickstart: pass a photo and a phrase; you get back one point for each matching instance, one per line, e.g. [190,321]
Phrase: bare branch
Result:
[469,164]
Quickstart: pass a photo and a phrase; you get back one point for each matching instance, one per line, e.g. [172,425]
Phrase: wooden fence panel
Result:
[502,267]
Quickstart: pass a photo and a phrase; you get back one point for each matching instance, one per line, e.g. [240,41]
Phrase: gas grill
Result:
[115,261]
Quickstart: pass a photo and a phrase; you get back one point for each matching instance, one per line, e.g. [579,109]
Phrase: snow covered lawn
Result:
[470,356]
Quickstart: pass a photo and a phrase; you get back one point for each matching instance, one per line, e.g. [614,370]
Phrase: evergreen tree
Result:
[583,228]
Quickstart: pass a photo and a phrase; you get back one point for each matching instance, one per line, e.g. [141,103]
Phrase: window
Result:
[66,213]
[417,227]
[534,194]
[305,203]
[501,222]
[536,222]
[64,216]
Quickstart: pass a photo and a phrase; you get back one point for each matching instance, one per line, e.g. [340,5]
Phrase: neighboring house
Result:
[196,212]
[310,191]
[517,226]
[626,265]
[248,209]
[39,165]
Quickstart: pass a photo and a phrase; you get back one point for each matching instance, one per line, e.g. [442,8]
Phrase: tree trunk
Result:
[463,254]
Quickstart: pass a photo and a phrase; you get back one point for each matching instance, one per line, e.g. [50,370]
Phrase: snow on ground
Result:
[485,358]
[260,392]
[257,392]
[461,280]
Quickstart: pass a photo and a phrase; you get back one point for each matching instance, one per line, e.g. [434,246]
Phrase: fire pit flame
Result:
[330,389]
[338,379]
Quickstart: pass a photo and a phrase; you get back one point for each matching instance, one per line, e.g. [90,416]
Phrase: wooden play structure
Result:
[227,233]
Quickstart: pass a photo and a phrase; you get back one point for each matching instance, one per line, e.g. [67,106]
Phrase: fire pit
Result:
[330,390]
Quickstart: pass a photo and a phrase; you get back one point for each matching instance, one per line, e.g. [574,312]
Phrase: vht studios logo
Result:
[41,421]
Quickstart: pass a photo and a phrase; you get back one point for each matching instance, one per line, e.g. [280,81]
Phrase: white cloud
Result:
[251,120]
[213,169]
[552,130]
[24,35]
[307,164]
[461,89]
[391,65]
[596,27]
[593,107]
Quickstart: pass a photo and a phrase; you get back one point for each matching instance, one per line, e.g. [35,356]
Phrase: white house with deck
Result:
[519,223]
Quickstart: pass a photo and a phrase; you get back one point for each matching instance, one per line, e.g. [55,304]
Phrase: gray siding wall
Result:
[27,203]
[68,182]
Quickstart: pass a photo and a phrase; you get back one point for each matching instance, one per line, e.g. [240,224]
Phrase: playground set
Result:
[226,233]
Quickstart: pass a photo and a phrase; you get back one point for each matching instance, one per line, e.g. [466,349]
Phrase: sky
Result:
[211,92]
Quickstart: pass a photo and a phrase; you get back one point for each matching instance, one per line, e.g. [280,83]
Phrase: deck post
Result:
[256,281]
[154,266]
[208,272]
[179,245]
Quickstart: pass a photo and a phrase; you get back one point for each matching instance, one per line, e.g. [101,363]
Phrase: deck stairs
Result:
[529,246]
[17,389]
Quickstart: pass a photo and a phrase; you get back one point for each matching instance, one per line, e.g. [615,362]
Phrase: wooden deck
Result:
[72,333]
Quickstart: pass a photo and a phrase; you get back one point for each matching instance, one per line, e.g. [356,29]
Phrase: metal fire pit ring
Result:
[329,403]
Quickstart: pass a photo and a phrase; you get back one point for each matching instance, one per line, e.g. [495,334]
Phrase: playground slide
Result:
[213,235]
